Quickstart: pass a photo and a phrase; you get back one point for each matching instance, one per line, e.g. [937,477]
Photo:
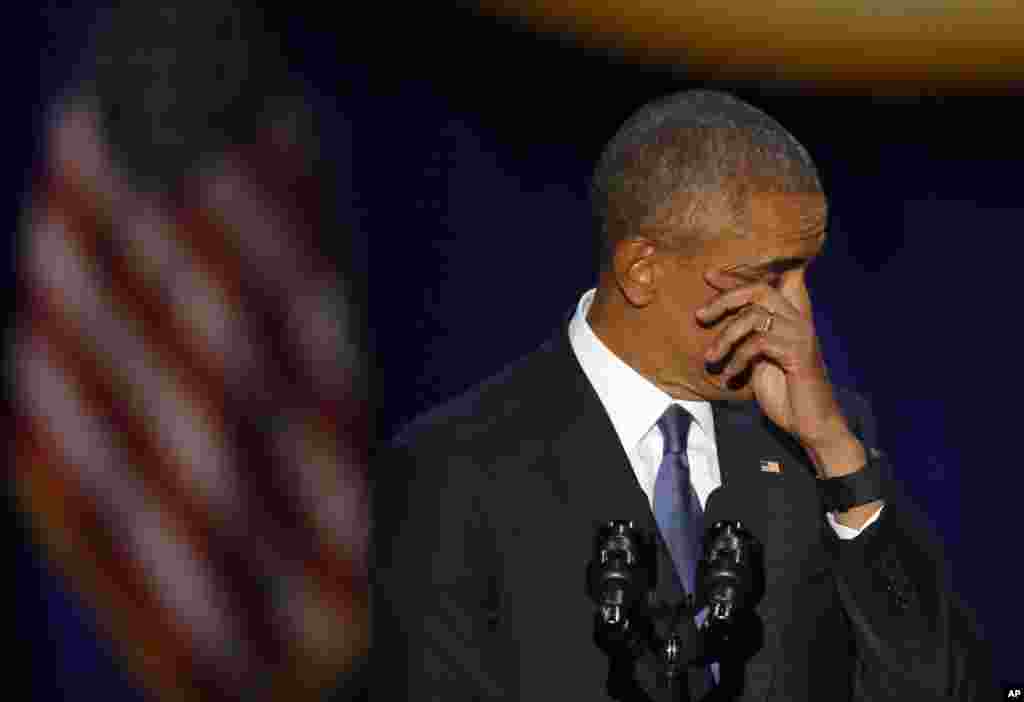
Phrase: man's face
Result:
[780,235]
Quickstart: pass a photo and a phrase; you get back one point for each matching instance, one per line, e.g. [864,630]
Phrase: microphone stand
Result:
[679,648]
[628,623]
[627,640]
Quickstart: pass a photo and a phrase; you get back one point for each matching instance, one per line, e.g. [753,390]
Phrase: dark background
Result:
[463,148]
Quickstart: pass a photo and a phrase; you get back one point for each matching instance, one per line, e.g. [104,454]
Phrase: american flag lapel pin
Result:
[770,466]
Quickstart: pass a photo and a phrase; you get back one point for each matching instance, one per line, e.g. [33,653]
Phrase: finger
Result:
[755,348]
[723,279]
[732,300]
[729,301]
[749,320]
[794,290]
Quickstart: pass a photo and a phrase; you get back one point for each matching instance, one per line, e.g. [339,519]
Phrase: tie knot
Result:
[674,425]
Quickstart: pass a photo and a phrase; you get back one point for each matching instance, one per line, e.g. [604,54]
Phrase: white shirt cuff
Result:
[845,532]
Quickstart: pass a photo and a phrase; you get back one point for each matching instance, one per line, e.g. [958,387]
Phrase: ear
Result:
[637,270]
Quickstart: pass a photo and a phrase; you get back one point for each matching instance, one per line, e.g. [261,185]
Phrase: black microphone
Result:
[619,577]
[730,575]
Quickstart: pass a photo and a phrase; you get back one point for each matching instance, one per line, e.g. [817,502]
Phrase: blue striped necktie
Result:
[677,509]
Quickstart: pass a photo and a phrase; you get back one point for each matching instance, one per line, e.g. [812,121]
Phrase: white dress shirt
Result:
[634,405]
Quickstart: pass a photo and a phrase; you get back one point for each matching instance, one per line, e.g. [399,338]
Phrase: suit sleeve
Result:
[433,582]
[914,638]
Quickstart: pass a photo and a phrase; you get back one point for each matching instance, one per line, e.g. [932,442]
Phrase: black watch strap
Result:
[858,488]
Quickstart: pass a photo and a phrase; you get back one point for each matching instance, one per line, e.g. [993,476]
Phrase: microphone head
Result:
[726,503]
[731,571]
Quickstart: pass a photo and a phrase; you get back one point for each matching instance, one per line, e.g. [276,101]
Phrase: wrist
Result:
[837,456]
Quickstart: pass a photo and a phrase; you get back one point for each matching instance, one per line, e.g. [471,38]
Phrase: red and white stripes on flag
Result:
[191,446]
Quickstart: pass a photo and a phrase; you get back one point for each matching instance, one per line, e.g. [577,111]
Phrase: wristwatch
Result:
[857,488]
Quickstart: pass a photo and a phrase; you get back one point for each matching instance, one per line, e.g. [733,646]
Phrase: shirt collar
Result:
[633,403]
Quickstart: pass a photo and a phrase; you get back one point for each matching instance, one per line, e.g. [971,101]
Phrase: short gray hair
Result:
[697,149]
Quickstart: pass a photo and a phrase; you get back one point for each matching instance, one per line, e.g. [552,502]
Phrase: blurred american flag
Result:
[190,434]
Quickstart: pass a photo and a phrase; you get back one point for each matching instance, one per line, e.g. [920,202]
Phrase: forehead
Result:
[777,225]
[785,212]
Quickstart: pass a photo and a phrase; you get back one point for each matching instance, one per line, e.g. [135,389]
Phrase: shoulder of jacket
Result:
[484,411]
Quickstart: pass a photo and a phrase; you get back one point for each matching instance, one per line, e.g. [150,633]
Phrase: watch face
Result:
[838,42]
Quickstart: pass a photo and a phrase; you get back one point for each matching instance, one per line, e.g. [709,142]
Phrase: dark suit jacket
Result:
[485,511]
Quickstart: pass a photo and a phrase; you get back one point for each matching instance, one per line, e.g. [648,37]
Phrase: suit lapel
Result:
[746,440]
[596,464]
[587,449]
[742,443]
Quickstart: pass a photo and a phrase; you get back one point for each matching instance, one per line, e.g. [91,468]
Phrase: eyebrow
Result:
[775,266]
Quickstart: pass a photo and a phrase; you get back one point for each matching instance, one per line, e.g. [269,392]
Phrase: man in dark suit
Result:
[694,365]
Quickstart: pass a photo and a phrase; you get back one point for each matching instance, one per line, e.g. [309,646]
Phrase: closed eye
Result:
[769,272]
